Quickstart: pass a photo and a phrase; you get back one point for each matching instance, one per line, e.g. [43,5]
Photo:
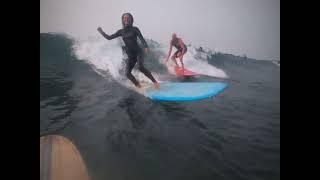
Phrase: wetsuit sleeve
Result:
[144,43]
[115,35]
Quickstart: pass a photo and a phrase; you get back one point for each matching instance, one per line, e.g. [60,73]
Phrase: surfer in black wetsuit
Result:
[129,35]
[181,50]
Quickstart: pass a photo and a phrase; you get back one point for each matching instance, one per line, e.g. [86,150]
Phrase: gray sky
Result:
[239,27]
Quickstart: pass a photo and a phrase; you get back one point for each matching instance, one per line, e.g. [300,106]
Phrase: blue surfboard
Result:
[190,91]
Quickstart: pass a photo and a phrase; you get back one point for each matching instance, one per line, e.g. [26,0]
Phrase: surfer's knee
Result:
[142,68]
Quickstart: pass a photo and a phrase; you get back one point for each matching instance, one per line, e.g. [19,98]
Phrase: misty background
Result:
[240,27]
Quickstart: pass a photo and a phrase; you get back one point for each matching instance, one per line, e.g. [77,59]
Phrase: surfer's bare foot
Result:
[156,85]
[138,86]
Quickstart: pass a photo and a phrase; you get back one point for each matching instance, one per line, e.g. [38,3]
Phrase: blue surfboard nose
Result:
[190,91]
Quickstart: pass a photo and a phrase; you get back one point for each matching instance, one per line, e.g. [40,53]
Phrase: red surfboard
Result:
[185,72]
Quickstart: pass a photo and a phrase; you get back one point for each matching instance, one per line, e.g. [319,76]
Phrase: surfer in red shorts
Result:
[181,50]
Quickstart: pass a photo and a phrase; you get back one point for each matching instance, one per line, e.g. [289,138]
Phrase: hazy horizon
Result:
[250,27]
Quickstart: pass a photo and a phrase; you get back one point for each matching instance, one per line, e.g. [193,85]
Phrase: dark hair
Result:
[131,19]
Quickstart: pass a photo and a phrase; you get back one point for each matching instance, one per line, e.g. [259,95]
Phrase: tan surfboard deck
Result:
[60,159]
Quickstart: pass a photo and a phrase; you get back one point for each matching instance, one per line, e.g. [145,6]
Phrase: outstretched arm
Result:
[169,53]
[115,35]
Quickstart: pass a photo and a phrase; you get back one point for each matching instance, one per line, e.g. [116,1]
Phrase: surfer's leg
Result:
[181,61]
[129,66]
[173,58]
[181,58]
[144,70]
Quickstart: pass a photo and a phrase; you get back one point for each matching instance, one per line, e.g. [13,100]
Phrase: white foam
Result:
[104,55]
[107,57]
[197,62]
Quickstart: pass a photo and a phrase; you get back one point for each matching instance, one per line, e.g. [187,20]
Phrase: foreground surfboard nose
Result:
[60,160]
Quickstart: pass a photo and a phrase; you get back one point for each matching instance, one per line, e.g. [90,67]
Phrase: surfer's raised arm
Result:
[115,35]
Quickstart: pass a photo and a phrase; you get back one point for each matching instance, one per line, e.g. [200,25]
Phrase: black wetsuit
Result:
[129,35]
[175,43]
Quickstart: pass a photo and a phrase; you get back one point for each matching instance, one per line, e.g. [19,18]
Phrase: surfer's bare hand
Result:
[99,29]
